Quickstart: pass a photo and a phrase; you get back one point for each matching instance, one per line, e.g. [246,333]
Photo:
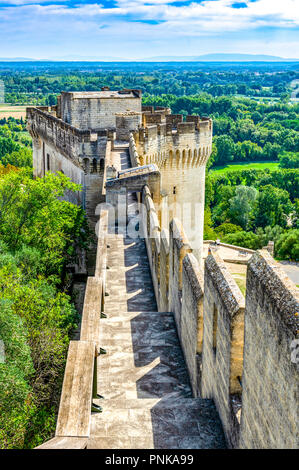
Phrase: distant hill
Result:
[16,59]
[222,58]
[81,58]
[201,58]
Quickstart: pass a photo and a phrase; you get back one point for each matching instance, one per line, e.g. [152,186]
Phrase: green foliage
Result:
[287,179]
[241,205]
[246,127]
[272,208]
[15,143]
[272,211]
[295,215]
[220,203]
[15,374]
[269,234]
[21,158]
[49,317]
[246,239]
[32,214]
[224,149]
[208,232]
[39,85]
[39,234]
[226,228]
[287,246]
[289,160]
[7,146]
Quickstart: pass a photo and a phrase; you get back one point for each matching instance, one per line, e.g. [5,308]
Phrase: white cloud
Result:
[196,19]
[215,15]
[29,21]
[28,2]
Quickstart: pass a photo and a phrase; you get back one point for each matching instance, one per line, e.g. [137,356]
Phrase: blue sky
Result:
[146,28]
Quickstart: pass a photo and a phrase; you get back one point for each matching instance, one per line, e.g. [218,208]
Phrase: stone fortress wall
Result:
[181,150]
[97,110]
[73,137]
[79,154]
[241,352]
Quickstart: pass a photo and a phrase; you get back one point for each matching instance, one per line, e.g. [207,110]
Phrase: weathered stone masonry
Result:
[74,135]
[241,353]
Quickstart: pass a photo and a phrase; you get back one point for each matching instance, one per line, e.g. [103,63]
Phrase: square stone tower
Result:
[97,109]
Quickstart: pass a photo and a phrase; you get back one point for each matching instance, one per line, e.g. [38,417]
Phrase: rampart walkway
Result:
[143,378]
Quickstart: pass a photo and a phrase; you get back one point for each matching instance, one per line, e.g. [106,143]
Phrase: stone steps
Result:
[174,423]
[123,315]
[143,376]
[147,397]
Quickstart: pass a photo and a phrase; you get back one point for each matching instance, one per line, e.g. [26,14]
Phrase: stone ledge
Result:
[225,284]
[178,234]
[278,285]
[194,275]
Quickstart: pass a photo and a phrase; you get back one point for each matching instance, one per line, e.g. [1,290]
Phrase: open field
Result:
[16,112]
[245,166]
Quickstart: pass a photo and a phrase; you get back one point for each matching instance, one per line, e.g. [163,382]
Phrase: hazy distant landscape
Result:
[199,58]
[252,196]
[179,330]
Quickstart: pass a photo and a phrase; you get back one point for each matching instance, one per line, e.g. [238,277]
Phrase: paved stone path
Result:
[143,377]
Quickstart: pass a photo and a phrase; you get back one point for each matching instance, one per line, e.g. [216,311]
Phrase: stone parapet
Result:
[223,342]
[270,378]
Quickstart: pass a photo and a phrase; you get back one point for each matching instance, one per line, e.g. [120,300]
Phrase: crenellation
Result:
[186,128]
[240,353]
[149,118]
[162,129]
[174,119]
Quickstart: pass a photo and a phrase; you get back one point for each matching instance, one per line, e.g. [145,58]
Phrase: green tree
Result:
[209,233]
[295,221]
[36,315]
[246,239]
[16,369]
[226,228]
[241,205]
[32,213]
[51,100]
[7,146]
[269,233]
[273,206]
[225,149]
[21,158]
[287,246]
[289,160]
[221,201]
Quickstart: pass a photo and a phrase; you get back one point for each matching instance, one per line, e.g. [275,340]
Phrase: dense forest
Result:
[38,82]
[255,120]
